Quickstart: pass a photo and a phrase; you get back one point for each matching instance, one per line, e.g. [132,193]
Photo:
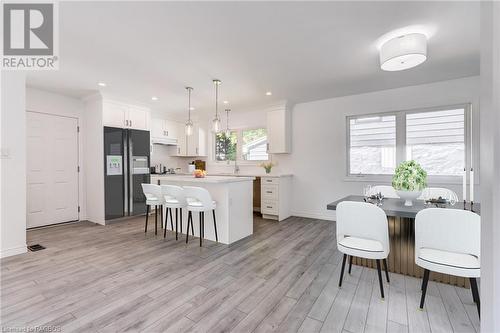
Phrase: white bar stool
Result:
[153,198]
[448,241]
[174,198]
[363,232]
[436,192]
[199,200]
[387,191]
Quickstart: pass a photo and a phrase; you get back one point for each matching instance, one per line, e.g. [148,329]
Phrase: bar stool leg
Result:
[215,226]
[176,225]
[475,294]
[350,264]
[342,270]
[161,216]
[386,271]
[380,278]
[190,216]
[171,219]
[181,218]
[166,223]
[147,215]
[424,287]
[156,219]
[201,230]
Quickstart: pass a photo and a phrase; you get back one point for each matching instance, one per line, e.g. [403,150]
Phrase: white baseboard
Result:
[314,215]
[13,251]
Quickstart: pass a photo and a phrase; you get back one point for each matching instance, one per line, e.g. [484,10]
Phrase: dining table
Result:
[401,222]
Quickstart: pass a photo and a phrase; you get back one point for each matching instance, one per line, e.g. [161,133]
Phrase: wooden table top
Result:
[396,207]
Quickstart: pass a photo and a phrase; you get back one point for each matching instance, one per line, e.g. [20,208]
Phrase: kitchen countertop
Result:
[219,179]
[244,174]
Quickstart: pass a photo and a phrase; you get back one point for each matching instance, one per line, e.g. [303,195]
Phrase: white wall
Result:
[13,164]
[490,167]
[51,103]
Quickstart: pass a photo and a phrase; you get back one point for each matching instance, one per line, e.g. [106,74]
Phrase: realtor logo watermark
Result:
[30,36]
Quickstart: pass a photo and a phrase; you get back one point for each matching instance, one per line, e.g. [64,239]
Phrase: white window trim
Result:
[401,145]
[239,159]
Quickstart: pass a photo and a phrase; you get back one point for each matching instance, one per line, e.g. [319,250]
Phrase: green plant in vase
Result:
[409,180]
[267,166]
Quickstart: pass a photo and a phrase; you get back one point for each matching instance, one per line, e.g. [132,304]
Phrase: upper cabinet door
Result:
[138,118]
[171,129]
[279,131]
[157,128]
[114,115]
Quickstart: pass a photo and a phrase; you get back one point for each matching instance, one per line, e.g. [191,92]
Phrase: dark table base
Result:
[401,258]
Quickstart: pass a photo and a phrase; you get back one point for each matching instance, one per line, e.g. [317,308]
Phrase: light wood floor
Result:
[93,278]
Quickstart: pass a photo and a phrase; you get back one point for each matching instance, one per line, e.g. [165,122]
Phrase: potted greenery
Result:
[267,166]
[409,180]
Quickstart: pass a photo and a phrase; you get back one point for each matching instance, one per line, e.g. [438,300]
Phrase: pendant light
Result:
[228,131]
[189,123]
[216,121]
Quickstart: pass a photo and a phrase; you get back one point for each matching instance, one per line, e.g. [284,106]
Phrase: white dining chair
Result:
[448,241]
[387,191]
[199,200]
[363,231]
[436,192]
[174,198]
[154,198]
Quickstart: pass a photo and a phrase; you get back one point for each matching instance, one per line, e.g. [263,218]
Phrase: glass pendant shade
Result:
[189,128]
[216,124]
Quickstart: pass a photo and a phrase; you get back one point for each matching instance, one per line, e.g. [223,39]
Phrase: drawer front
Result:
[269,192]
[270,181]
[269,207]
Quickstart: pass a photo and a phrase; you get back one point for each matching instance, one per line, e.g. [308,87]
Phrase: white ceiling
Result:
[301,51]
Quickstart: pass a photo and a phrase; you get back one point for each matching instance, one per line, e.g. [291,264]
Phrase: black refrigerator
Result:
[126,159]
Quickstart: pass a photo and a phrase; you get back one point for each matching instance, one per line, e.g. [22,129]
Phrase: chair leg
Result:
[215,226]
[190,216]
[180,211]
[350,264]
[171,219]
[201,229]
[342,270]
[424,287]
[386,271]
[475,294]
[147,215]
[379,270]
[161,216]
[156,220]
[192,226]
[166,221]
[176,224]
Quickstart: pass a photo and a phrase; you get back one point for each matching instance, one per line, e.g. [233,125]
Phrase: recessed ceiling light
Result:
[269,93]
[101,84]
[191,108]
[154,98]
[225,102]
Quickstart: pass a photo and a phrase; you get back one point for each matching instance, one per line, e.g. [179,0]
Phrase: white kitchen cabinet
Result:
[164,131]
[115,114]
[275,197]
[193,145]
[181,140]
[279,131]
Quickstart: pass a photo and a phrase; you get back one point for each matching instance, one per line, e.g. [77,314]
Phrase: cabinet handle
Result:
[130,123]
[269,180]
[269,192]
[126,122]
[269,206]
[166,133]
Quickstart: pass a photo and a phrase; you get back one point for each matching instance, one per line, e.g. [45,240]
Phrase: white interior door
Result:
[52,169]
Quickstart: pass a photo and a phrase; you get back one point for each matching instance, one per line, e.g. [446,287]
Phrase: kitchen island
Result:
[234,197]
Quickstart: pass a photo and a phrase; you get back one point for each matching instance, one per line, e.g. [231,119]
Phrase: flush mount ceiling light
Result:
[216,121]
[403,52]
[189,123]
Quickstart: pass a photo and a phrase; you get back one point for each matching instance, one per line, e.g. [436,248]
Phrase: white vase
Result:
[408,196]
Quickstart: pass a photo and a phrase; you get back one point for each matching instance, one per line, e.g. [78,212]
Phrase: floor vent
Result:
[36,247]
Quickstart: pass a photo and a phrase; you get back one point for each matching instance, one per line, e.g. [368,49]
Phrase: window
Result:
[436,141]
[373,145]
[248,144]
[434,138]
[226,146]
[254,144]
